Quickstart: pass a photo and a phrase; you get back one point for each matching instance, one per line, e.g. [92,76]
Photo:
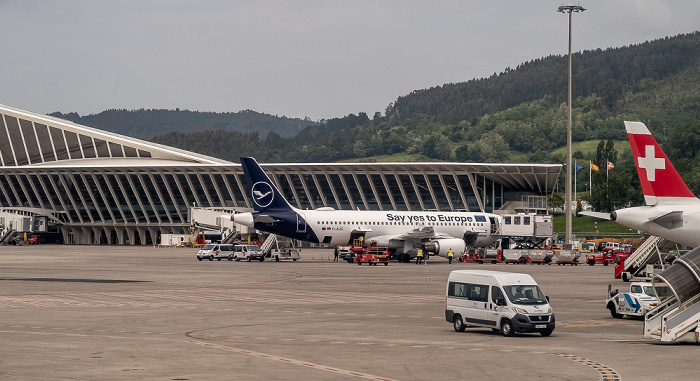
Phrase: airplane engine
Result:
[441,246]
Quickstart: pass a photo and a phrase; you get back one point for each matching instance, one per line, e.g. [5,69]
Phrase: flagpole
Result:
[575,176]
[590,177]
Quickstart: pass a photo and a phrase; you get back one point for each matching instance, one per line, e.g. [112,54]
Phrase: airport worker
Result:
[335,254]
[362,240]
[419,256]
[450,255]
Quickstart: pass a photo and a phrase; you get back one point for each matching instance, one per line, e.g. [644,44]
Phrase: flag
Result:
[578,167]
[594,167]
[610,166]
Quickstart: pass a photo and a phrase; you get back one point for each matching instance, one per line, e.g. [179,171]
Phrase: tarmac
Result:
[143,313]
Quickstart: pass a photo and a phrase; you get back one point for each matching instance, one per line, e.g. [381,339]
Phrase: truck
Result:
[640,299]
[372,255]
[605,257]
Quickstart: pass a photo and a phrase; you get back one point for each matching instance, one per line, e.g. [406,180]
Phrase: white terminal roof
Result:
[39,141]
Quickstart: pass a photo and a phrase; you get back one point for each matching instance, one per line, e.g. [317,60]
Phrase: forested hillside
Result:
[518,115]
[145,124]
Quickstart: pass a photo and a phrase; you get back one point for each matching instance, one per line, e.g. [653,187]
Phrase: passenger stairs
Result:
[269,243]
[677,318]
[647,253]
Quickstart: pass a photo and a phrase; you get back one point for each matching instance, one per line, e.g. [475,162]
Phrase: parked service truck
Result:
[640,299]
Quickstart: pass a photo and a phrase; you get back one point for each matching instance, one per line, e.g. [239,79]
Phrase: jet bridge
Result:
[677,318]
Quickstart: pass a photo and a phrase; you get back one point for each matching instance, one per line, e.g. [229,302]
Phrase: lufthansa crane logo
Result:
[262,194]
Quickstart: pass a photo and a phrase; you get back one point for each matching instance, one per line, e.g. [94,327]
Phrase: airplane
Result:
[672,212]
[403,232]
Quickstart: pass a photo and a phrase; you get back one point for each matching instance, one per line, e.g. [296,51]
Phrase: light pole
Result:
[567,206]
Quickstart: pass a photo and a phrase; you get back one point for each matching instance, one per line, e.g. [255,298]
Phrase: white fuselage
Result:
[640,218]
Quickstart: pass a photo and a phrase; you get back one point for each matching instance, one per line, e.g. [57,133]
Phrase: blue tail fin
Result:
[261,190]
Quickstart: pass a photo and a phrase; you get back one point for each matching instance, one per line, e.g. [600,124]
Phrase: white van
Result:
[248,253]
[505,302]
[213,251]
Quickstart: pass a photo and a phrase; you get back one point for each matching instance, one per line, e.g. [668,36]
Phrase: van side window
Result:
[516,220]
[526,220]
[478,292]
[506,220]
[496,294]
[457,289]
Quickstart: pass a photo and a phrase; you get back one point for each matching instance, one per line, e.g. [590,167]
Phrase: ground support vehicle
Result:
[540,256]
[248,253]
[279,248]
[644,260]
[636,302]
[505,302]
[515,255]
[373,255]
[602,257]
[482,256]
[285,254]
[567,257]
[346,254]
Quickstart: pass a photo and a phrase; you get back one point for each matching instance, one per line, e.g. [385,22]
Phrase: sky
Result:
[296,58]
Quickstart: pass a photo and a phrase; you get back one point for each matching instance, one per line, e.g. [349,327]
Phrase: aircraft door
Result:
[301,224]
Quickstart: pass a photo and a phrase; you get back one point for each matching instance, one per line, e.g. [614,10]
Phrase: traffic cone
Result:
[312,257]
[425,261]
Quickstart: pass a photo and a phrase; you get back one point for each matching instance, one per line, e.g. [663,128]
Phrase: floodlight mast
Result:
[567,206]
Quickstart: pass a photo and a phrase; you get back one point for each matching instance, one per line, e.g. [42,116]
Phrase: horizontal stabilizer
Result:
[671,220]
[265,219]
[601,215]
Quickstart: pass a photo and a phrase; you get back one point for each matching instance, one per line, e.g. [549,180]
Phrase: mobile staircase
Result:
[677,317]
[647,253]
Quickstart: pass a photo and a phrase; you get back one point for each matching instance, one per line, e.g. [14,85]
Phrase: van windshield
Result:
[528,294]
[208,247]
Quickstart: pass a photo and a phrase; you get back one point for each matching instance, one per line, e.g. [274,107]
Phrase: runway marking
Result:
[608,373]
[292,361]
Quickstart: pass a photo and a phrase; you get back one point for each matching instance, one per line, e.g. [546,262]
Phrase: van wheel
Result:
[262,259]
[507,328]
[458,324]
[211,258]
[546,333]
[230,258]
[277,259]
[294,259]
[248,259]
[200,259]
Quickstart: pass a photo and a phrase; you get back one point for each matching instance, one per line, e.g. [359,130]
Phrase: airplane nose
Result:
[243,219]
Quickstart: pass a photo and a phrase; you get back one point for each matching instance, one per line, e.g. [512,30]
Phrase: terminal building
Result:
[82,185]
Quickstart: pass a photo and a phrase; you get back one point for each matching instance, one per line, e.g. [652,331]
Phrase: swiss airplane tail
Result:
[660,181]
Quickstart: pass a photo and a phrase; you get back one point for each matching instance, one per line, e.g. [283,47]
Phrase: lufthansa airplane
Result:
[672,212]
[402,232]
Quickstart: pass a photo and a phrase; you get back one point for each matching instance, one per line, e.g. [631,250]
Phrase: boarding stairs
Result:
[672,321]
[269,243]
[647,253]
[677,317]
[8,235]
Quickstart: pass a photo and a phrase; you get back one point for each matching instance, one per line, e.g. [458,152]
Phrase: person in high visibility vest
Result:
[419,256]
[450,254]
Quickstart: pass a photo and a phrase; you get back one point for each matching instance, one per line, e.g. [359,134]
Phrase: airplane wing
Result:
[422,233]
[601,215]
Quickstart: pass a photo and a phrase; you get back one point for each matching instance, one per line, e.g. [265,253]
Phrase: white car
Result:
[213,251]
[640,299]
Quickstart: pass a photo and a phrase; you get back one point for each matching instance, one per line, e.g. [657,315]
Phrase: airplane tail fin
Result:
[660,181]
[262,191]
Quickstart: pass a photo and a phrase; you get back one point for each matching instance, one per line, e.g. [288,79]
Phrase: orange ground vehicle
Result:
[371,254]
